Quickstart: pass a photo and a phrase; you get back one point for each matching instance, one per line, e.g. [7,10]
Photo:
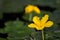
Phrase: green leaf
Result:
[17,29]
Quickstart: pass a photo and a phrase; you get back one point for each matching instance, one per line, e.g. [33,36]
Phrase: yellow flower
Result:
[31,8]
[40,24]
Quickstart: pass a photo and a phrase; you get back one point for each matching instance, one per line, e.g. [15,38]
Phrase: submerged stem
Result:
[42,34]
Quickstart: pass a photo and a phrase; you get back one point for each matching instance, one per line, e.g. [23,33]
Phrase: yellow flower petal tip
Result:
[49,24]
[31,25]
[37,10]
[40,24]
[30,8]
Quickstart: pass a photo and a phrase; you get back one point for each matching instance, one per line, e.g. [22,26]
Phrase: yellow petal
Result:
[36,9]
[44,19]
[49,24]
[36,20]
[39,28]
[32,25]
[29,9]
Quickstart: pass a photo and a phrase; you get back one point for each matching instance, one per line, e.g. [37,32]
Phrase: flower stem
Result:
[30,16]
[42,34]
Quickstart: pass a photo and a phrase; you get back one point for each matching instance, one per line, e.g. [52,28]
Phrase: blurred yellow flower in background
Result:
[36,9]
[40,24]
[30,8]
